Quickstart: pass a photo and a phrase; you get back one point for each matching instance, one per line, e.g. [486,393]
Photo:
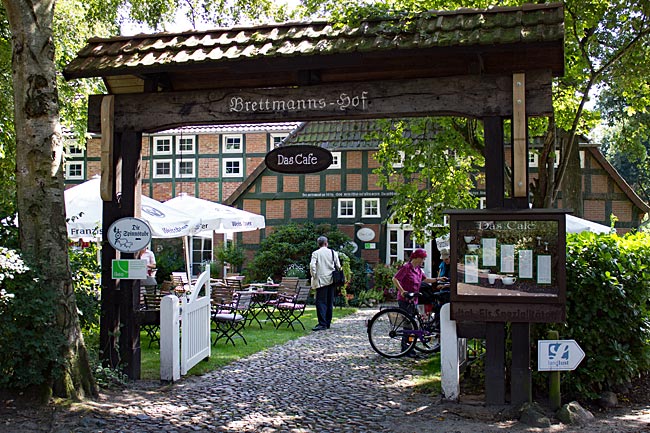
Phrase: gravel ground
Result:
[328,381]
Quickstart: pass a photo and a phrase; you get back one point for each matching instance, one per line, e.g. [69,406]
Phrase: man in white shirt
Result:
[322,264]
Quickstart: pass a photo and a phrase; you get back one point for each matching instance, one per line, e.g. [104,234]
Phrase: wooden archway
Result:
[491,64]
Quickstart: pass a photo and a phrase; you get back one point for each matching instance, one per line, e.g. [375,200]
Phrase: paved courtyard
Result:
[328,381]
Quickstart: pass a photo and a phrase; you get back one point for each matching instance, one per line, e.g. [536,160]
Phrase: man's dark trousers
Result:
[325,305]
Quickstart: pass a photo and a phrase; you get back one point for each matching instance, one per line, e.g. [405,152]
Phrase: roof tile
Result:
[465,27]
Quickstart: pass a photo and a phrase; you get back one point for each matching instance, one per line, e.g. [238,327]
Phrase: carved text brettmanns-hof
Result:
[239,104]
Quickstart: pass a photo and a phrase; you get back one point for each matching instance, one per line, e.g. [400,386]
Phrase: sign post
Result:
[558,355]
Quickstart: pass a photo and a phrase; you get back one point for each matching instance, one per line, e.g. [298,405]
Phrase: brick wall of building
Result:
[290,183]
[255,143]
[354,159]
[298,209]
[333,182]
[209,190]
[312,183]
[323,208]
[353,182]
[274,209]
[208,144]
[595,210]
[269,184]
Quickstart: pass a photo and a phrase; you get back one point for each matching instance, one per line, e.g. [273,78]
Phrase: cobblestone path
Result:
[328,381]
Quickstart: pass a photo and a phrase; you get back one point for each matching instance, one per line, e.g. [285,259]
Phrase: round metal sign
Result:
[298,159]
[366,234]
[129,235]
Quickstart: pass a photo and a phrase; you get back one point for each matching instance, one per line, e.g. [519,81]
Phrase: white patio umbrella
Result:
[579,225]
[83,208]
[217,217]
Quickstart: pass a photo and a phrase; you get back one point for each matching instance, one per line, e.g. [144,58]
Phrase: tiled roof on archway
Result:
[435,43]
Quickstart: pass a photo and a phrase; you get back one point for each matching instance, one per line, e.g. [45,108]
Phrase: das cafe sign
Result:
[298,159]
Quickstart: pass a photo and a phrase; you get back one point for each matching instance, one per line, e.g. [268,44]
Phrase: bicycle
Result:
[393,332]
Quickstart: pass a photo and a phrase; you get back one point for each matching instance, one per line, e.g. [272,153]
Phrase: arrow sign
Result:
[558,355]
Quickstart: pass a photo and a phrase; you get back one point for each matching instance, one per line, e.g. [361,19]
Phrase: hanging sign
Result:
[298,159]
[129,235]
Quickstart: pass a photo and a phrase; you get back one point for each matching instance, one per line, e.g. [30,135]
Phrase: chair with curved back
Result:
[229,320]
[290,310]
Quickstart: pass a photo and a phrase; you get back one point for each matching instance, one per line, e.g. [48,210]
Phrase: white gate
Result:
[195,324]
[194,335]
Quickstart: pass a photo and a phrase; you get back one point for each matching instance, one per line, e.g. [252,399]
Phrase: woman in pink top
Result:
[408,279]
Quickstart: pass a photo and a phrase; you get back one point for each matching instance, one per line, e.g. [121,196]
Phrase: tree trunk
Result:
[572,181]
[39,182]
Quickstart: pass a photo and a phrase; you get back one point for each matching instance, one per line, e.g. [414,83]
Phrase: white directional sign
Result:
[558,355]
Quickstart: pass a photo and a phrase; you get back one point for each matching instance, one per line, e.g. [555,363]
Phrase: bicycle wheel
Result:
[428,343]
[388,332]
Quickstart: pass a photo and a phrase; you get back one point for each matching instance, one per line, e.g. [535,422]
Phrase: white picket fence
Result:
[185,330]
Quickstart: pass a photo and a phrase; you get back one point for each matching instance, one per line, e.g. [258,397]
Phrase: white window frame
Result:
[224,148]
[336,161]
[377,206]
[191,141]
[347,201]
[277,136]
[533,159]
[402,157]
[185,175]
[224,172]
[482,203]
[161,138]
[75,150]
[582,158]
[157,162]
[68,169]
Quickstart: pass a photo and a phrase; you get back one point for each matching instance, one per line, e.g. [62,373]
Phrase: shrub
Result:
[292,244]
[29,337]
[608,287]
[231,254]
[169,258]
[86,272]
[383,280]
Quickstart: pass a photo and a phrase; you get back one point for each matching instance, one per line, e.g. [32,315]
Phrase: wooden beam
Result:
[470,95]
[107,121]
[519,145]
[494,159]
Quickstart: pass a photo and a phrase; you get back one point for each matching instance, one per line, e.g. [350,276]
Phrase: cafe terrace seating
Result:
[290,310]
[229,319]
[150,314]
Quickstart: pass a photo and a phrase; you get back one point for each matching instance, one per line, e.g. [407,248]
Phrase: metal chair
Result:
[150,315]
[229,320]
[290,311]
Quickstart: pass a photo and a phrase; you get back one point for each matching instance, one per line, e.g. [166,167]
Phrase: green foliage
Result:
[608,287]
[295,270]
[292,244]
[86,273]
[232,254]
[169,258]
[29,337]
[437,158]
[368,298]
[383,279]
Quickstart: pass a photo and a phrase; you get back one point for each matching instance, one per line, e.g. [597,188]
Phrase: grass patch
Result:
[429,381]
[224,353]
